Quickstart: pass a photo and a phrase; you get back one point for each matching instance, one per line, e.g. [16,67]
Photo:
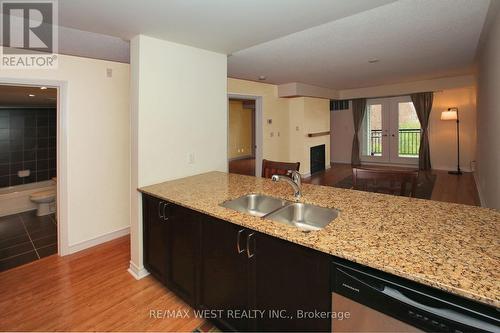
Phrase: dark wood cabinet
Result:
[292,286]
[171,246]
[255,282]
[225,272]
[154,237]
[183,255]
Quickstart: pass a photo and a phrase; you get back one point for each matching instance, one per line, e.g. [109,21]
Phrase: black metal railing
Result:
[376,142]
[409,142]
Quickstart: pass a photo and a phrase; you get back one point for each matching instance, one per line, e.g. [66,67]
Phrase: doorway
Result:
[390,131]
[244,148]
[28,174]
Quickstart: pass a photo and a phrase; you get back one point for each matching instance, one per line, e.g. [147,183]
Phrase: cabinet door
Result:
[183,243]
[290,278]
[224,275]
[154,237]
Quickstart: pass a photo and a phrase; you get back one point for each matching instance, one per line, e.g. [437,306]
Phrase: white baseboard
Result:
[72,248]
[137,272]
[478,187]
[447,168]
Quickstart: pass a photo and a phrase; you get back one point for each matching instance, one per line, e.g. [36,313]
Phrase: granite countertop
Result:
[452,247]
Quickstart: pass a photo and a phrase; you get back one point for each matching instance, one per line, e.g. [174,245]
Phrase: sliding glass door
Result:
[390,131]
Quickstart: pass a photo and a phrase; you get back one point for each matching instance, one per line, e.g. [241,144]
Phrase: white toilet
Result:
[46,202]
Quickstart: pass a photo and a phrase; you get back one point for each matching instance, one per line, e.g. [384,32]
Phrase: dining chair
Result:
[270,168]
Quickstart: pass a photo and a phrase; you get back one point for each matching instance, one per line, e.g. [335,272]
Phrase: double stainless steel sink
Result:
[303,216]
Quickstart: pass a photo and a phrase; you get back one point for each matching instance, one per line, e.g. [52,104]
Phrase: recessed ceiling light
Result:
[43,88]
[374,60]
[262,78]
[31,95]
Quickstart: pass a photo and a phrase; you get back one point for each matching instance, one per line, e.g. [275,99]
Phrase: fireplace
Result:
[317,158]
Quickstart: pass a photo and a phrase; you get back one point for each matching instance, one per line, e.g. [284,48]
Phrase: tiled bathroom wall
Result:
[27,142]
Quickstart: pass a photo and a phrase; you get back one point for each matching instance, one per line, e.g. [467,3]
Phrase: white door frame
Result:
[257,129]
[62,153]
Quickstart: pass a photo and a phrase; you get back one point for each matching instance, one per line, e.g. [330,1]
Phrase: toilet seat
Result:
[45,201]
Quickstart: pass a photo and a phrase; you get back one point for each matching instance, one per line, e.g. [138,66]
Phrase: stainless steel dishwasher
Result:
[367,300]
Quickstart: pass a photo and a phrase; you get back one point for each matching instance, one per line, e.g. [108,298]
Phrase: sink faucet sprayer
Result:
[294,181]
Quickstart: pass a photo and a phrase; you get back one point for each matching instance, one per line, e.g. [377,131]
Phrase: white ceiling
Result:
[321,42]
[219,25]
[413,39]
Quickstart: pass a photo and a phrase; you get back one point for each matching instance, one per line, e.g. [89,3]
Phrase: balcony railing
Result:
[409,142]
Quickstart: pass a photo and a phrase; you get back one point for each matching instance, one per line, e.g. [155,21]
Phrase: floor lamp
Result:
[452,114]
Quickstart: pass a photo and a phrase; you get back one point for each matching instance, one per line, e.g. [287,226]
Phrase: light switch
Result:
[272,134]
[191,159]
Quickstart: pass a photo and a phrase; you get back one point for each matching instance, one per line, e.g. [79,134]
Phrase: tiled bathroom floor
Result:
[25,237]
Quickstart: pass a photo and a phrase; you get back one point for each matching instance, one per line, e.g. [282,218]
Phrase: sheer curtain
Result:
[423,106]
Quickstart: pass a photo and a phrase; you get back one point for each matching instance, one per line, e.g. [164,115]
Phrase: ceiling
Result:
[19,96]
[412,39]
[327,43]
[219,25]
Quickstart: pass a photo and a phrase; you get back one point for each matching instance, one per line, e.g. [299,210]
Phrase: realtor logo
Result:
[29,34]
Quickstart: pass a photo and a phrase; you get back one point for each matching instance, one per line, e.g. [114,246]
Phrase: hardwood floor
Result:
[448,188]
[88,291]
[92,290]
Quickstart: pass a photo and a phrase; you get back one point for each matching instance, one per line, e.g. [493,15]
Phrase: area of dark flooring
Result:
[25,237]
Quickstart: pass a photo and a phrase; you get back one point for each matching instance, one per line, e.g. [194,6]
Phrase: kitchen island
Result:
[452,247]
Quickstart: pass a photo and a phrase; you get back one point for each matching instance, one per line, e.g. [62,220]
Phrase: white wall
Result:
[97,155]
[179,107]
[442,134]
[308,115]
[409,87]
[275,145]
[488,103]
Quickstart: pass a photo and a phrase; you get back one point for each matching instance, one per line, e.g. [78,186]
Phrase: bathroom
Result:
[28,174]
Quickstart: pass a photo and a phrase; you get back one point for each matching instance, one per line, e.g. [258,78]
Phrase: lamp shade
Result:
[449,115]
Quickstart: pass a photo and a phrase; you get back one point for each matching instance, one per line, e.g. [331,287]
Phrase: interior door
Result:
[374,134]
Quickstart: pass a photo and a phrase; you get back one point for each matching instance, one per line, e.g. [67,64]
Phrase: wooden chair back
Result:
[270,168]
[397,179]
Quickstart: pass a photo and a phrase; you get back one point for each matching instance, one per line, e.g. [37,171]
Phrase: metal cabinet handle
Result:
[238,238]
[248,246]
[160,210]
[165,204]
